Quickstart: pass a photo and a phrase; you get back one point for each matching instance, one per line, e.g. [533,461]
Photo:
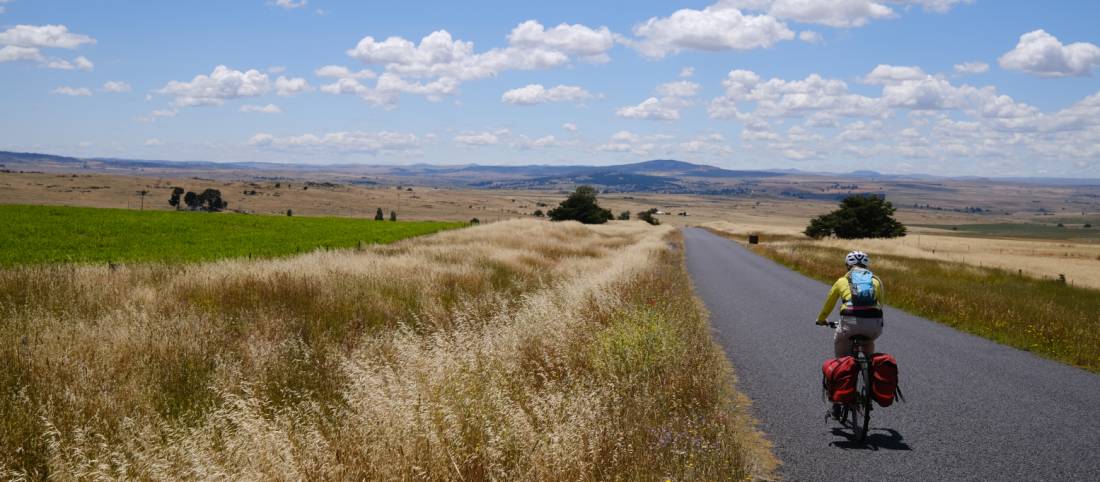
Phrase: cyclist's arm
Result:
[880,293]
[830,302]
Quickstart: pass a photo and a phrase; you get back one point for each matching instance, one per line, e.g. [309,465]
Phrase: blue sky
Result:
[934,86]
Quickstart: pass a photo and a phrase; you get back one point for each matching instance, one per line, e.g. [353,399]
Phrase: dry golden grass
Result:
[423,203]
[1078,261]
[520,350]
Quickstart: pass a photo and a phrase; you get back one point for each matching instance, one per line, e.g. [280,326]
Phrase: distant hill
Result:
[30,157]
[686,169]
[658,175]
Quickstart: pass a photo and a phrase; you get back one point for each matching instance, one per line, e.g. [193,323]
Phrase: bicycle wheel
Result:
[861,411]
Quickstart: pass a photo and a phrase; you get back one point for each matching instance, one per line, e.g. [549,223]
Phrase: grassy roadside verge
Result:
[1042,316]
[519,350]
[51,234]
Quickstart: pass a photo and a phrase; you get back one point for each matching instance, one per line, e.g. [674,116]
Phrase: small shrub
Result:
[378,216]
[289,212]
[648,216]
[393,215]
[624,216]
[538,213]
[475,221]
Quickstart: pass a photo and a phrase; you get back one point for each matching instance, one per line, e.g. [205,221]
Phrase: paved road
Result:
[977,410]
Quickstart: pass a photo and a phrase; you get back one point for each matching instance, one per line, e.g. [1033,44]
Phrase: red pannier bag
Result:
[840,379]
[884,379]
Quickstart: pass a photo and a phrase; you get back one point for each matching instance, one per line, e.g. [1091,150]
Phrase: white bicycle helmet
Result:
[857,257]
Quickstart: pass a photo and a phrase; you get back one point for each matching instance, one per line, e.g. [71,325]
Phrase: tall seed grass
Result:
[517,350]
[1043,316]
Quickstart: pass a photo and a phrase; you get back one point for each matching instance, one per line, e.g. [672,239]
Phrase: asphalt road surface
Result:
[976,410]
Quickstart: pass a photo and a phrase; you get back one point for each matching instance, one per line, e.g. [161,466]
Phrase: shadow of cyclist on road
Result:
[879,438]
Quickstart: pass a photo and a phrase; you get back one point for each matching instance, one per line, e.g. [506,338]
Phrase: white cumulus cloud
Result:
[838,13]
[891,74]
[1042,54]
[11,53]
[717,27]
[73,91]
[478,138]
[681,88]
[222,84]
[439,63]
[79,63]
[781,98]
[540,143]
[291,4]
[345,142]
[579,40]
[650,109]
[341,72]
[537,94]
[810,37]
[261,109]
[286,86]
[25,42]
[968,68]
[116,86]
[671,96]
[44,36]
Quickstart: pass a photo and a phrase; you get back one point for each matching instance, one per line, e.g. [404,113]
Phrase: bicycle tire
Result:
[863,402]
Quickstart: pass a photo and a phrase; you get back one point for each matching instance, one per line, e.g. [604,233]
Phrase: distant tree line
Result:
[208,200]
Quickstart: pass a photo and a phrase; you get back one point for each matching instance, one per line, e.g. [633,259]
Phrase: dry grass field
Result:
[519,350]
[1078,261]
[348,200]
[429,203]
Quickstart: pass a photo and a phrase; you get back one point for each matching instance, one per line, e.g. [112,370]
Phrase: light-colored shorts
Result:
[850,326]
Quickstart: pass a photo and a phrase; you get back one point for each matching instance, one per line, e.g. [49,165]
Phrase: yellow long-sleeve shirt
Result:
[841,291]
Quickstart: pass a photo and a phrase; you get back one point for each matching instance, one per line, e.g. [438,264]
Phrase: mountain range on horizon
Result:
[644,175]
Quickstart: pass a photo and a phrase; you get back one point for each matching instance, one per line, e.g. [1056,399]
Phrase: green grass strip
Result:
[56,234]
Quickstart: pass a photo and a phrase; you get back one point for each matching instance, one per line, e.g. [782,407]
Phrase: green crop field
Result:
[51,234]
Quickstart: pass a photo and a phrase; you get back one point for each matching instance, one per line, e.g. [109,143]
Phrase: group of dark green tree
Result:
[207,200]
[379,216]
[581,205]
[858,216]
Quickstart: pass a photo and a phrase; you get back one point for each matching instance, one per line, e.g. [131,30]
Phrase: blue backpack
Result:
[861,282]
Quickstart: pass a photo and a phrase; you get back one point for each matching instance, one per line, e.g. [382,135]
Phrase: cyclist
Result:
[863,318]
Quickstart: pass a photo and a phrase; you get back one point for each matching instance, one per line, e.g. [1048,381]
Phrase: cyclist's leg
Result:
[842,343]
